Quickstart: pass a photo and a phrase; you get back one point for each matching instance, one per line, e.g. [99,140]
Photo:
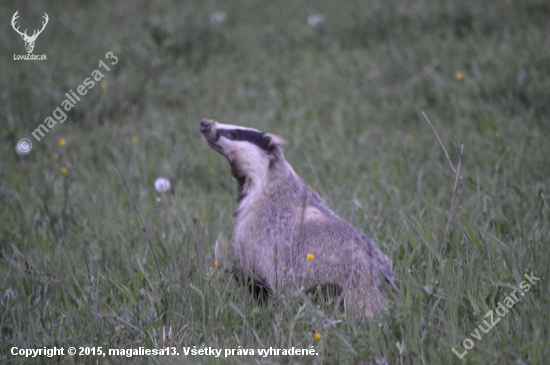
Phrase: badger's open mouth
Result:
[214,146]
[212,141]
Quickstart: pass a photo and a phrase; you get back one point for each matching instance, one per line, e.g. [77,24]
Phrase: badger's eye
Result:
[232,135]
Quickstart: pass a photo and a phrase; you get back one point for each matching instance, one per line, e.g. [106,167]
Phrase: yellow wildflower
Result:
[317,336]
[62,142]
[216,263]
[459,75]
[310,256]
[63,170]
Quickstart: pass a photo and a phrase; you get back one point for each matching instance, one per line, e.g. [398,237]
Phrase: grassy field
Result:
[76,266]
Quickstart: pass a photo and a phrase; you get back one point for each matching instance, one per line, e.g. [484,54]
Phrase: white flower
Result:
[162,184]
[316,20]
[218,17]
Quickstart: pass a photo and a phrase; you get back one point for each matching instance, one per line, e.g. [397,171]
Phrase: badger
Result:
[285,238]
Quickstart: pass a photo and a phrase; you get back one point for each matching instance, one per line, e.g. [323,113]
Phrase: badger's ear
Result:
[275,140]
[274,143]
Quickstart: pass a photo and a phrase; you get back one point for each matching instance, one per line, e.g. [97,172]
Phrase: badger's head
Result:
[250,152]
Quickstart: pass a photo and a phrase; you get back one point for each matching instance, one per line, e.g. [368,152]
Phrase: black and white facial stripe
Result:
[259,139]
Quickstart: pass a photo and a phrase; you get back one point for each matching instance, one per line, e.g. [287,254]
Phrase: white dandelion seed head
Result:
[10,293]
[316,20]
[162,184]
[218,17]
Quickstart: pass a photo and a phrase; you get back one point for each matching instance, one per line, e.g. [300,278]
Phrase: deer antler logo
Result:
[29,41]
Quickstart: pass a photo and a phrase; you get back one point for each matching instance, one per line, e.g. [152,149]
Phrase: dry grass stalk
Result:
[456,172]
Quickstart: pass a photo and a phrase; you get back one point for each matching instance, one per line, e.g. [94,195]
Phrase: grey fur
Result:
[280,220]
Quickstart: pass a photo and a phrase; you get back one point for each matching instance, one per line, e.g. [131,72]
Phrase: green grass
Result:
[348,99]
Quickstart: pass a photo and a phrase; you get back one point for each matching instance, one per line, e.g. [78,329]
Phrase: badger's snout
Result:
[206,125]
[210,134]
[208,130]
